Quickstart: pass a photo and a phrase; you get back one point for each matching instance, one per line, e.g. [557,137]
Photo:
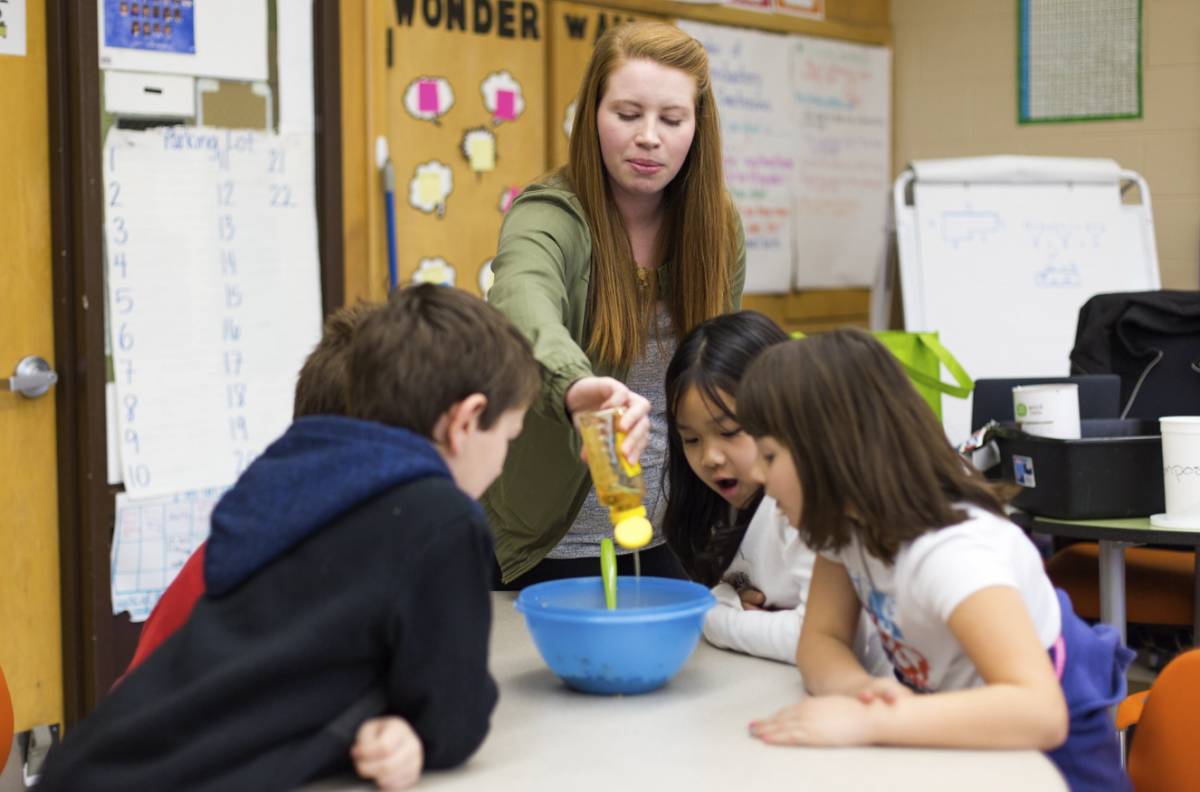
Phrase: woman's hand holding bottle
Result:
[590,394]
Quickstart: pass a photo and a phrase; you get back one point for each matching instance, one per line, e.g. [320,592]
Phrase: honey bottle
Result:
[619,484]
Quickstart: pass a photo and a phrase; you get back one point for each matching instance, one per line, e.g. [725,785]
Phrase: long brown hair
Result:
[873,462]
[699,232]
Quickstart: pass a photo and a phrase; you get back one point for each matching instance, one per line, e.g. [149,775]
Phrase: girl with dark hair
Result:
[722,529]
[903,527]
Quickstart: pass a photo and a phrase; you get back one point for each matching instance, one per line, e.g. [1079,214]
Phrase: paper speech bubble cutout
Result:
[506,198]
[502,96]
[479,147]
[428,98]
[431,184]
[569,121]
[486,278]
[434,270]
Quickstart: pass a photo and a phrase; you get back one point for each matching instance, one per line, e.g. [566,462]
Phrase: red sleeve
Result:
[172,610]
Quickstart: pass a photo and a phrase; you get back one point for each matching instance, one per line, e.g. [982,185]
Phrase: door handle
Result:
[31,378]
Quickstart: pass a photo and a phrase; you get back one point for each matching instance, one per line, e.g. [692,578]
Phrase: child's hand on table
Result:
[884,689]
[819,720]
[388,751]
[752,599]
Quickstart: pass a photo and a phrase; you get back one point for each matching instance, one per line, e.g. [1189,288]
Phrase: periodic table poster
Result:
[213,297]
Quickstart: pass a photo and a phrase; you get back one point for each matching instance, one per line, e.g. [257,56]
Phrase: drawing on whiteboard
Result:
[479,149]
[1057,276]
[486,278]
[1063,235]
[428,98]
[434,270]
[569,120]
[1054,238]
[964,226]
[507,197]
[502,97]
[429,187]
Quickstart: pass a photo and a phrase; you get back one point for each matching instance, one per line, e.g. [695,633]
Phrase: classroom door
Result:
[30,620]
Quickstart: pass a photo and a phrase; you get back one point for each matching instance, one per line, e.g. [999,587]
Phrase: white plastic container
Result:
[1048,410]
[1181,472]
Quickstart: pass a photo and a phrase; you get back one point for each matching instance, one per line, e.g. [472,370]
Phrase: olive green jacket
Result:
[542,266]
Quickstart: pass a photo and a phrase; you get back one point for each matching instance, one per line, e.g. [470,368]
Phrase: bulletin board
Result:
[466,126]
[403,41]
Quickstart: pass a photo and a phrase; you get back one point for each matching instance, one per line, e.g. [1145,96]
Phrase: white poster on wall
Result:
[749,72]
[213,297]
[12,27]
[225,39]
[843,163]
[152,540]
[295,47]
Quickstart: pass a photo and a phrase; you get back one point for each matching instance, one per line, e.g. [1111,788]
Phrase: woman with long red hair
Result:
[603,263]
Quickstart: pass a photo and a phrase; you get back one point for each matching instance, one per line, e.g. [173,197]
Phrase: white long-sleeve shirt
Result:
[774,560]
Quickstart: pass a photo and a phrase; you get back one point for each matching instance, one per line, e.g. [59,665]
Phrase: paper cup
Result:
[1048,410]
[1181,472]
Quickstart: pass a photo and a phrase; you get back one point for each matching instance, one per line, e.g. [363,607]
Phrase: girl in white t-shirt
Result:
[858,462]
[723,531]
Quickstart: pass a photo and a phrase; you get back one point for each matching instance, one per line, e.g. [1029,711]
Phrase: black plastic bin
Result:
[1114,470]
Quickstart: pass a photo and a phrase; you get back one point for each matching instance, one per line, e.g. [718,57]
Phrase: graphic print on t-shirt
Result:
[881,607]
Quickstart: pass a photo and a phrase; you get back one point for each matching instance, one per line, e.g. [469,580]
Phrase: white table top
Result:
[689,735]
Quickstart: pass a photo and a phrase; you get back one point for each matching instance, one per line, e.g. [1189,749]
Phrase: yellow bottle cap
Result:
[633,532]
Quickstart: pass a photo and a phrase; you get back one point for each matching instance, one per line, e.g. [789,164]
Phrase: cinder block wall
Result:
[956,96]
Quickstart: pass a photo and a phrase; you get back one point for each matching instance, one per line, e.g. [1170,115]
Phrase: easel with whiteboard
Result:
[997,254]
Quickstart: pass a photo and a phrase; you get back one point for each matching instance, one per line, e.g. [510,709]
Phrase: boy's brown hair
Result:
[431,347]
[321,388]
[873,461]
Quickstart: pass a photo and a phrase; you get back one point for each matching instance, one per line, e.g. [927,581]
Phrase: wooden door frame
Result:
[92,637]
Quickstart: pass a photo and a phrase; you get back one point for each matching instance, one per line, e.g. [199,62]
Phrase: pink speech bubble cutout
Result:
[427,96]
[506,105]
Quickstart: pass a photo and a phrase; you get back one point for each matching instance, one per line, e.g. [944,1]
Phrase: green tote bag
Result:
[922,356]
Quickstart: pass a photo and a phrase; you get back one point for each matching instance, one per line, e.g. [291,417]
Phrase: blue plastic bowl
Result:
[633,649]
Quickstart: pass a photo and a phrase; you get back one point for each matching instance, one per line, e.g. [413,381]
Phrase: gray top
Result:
[646,377]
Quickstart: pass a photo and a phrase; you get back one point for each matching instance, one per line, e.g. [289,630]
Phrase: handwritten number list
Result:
[213,298]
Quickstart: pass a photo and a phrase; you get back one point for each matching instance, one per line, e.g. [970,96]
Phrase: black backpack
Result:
[1152,341]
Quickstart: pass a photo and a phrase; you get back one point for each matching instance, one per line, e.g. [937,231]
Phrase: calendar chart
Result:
[213,297]
[152,540]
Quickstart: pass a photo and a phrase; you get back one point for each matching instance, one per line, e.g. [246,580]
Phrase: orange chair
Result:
[1159,584]
[1162,754]
[6,721]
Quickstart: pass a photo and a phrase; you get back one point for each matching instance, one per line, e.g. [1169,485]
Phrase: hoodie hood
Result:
[322,467]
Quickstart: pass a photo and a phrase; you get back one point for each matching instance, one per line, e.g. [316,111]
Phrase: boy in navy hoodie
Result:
[347,610]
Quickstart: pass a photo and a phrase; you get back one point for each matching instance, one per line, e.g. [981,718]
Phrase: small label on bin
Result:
[1023,471]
